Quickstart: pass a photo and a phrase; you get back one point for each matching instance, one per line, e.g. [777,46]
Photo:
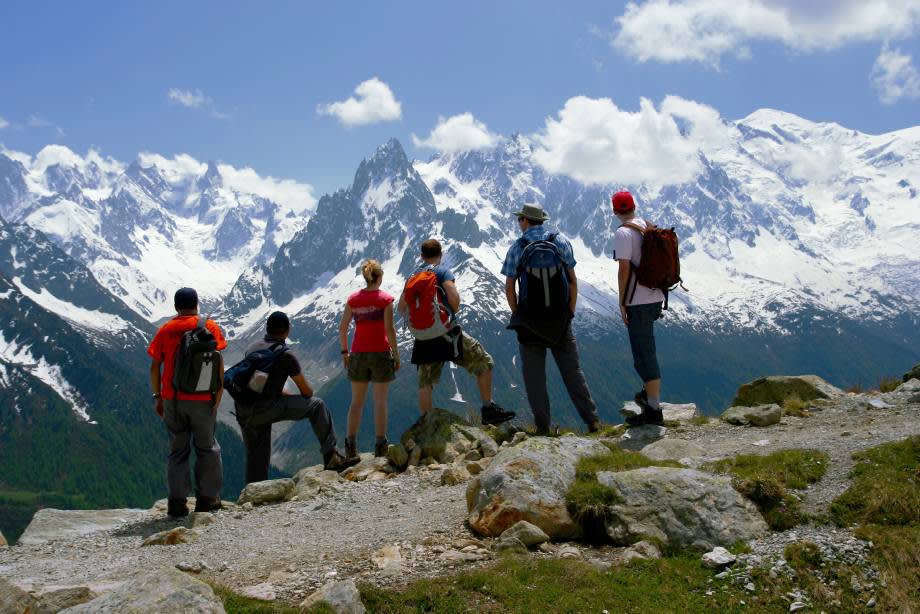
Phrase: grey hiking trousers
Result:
[256,425]
[192,423]
[533,364]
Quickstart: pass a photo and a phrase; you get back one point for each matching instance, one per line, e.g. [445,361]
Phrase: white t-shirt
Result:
[627,245]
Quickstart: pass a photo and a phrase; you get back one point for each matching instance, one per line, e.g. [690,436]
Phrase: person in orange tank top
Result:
[374,355]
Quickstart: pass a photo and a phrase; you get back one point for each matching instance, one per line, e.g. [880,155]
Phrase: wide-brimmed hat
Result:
[532,212]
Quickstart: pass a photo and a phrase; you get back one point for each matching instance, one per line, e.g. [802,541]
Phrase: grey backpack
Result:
[198,362]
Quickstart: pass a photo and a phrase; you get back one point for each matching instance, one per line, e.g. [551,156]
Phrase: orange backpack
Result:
[430,316]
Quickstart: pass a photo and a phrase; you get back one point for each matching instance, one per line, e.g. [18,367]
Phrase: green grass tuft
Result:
[765,480]
[234,603]
[700,420]
[886,487]
[794,406]
[803,555]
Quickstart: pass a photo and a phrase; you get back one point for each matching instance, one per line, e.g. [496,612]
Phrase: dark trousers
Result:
[641,329]
[192,423]
[533,364]
[256,424]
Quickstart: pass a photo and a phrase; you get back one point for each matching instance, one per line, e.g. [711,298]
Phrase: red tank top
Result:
[367,307]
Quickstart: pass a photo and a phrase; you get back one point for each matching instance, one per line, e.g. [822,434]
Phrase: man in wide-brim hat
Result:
[541,263]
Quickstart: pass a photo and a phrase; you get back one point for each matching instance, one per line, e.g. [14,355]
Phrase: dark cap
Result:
[277,322]
[186,298]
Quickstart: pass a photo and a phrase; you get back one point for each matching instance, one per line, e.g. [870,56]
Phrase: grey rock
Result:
[528,534]
[638,437]
[718,558]
[454,475]
[342,596]
[675,412]
[315,483]
[684,508]
[779,388]
[171,537]
[912,374]
[369,465]
[267,491]
[264,591]
[529,482]
[518,438]
[51,524]
[911,385]
[760,415]
[673,449]
[312,470]
[58,599]
[15,600]
[509,544]
[163,591]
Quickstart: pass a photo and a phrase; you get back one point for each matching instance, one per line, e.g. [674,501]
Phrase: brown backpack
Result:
[660,264]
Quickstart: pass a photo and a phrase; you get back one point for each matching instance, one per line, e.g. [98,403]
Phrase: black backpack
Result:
[198,362]
[238,379]
[543,281]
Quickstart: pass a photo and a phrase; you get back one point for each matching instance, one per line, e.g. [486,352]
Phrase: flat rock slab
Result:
[761,415]
[51,524]
[529,482]
[684,508]
[164,591]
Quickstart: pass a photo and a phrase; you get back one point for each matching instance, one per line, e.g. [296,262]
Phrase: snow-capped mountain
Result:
[155,224]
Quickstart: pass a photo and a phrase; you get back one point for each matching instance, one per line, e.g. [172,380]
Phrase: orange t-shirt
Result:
[164,346]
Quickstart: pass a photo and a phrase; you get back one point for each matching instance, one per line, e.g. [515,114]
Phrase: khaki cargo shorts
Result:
[475,360]
[377,367]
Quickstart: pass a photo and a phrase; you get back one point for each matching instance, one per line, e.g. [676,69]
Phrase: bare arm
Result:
[511,293]
[623,285]
[391,332]
[155,385]
[573,289]
[453,297]
[343,327]
[302,385]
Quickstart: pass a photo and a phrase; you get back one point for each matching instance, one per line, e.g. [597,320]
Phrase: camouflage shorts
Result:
[475,360]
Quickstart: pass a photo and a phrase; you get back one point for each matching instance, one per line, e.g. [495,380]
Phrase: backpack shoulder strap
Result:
[202,322]
[637,227]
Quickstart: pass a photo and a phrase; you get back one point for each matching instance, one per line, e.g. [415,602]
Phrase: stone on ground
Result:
[50,524]
[675,412]
[264,591]
[673,449]
[529,482]
[912,374]
[780,388]
[342,597]
[637,437]
[529,534]
[911,385]
[267,491]
[510,544]
[760,415]
[388,558]
[14,599]
[368,466]
[640,551]
[309,485]
[171,537]
[398,456]
[718,558]
[164,591]
[57,599]
[443,436]
[682,508]
[454,475]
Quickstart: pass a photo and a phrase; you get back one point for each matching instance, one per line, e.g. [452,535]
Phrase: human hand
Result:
[346,359]
[158,407]
[396,362]
[624,315]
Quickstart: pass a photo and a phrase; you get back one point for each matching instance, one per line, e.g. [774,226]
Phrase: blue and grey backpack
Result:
[245,380]
[543,281]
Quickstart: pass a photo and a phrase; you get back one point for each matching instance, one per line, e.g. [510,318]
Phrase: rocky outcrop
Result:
[268,491]
[164,591]
[682,508]
[529,482]
[51,524]
[912,374]
[444,437]
[341,597]
[760,415]
[780,388]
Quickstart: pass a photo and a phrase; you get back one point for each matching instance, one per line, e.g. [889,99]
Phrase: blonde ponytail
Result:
[372,271]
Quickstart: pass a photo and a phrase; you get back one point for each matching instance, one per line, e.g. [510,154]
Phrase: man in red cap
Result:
[640,306]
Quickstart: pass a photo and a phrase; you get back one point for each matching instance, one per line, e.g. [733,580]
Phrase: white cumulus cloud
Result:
[894,76]
[290,194]
[456,134]
[195,99]
[706,30]
[373,102]
[595,142]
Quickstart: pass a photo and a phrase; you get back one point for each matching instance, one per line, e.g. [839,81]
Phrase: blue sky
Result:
[99,74]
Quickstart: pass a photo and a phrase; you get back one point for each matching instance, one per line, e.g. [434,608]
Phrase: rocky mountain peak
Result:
[211,178]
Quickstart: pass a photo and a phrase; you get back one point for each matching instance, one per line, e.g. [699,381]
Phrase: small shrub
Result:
[700,420]
[886,486]
[803,555]
[855,388]
[888,384]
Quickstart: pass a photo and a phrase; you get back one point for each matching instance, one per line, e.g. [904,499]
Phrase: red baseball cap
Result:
[623,202]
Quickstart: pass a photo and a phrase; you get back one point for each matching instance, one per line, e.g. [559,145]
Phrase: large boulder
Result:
[682,508]
[529,482]
[163,591]
[761,415]
[444,436]
[267,491]
[341,597]
[780,388]
[912,374]
[51,524]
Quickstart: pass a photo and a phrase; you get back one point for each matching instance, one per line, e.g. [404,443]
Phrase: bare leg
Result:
[484,382]
[358,395]
[653,388]
[380,409]
[425,399]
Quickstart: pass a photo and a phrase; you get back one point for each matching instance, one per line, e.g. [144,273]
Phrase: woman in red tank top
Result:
[374,355]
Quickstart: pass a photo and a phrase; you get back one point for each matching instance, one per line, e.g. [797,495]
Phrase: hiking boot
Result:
[380,448]
[550,431]
[334,461]
[176,508]
[493,414]
[595,426]
[351,448]
[207,504]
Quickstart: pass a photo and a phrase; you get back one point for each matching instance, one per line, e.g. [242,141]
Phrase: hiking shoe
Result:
[334,461]
[380,449]
[207,504]
[550,431]
[595,426]
[351,448]
[176,508]
[648,416]
[493,414]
